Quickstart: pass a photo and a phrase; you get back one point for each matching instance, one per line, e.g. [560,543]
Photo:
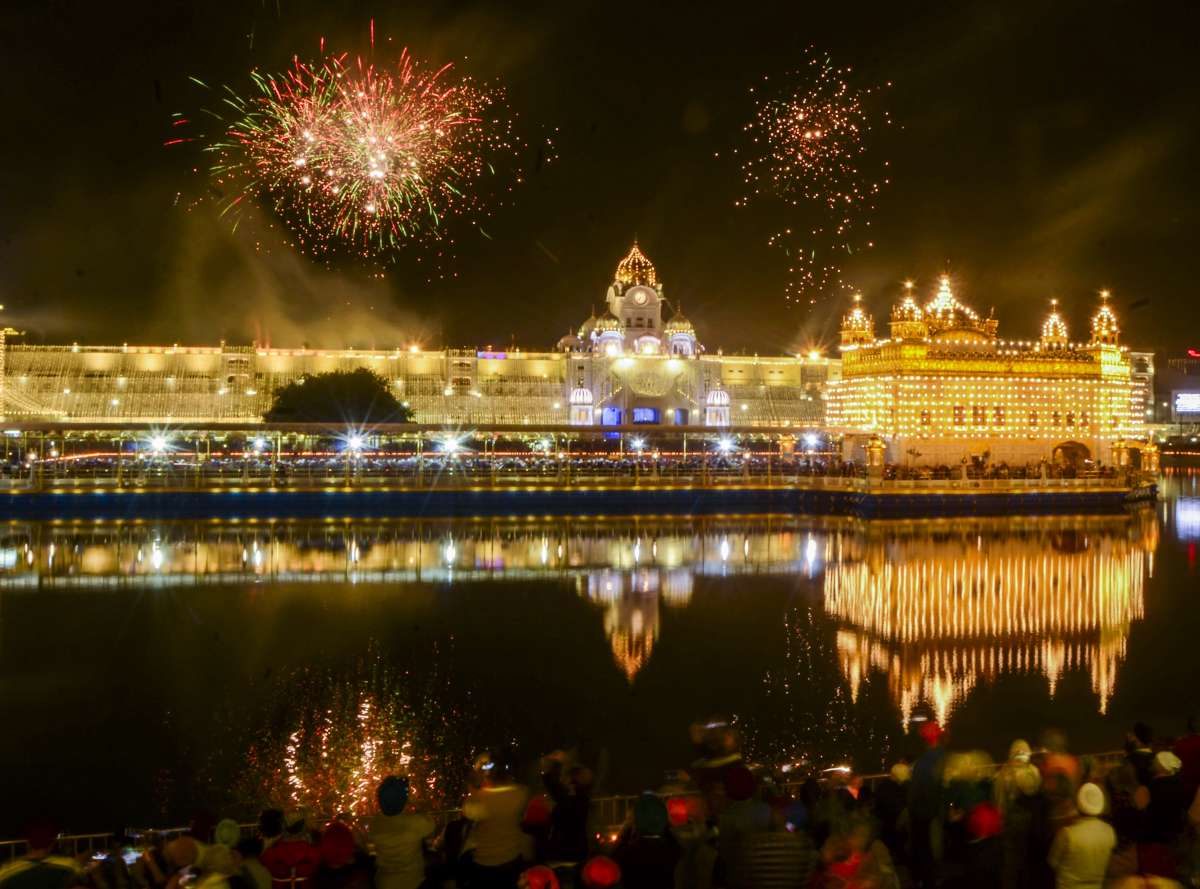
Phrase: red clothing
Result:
[1187,749]
[291,863]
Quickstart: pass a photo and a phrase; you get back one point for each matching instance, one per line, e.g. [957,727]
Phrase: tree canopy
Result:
[357,396]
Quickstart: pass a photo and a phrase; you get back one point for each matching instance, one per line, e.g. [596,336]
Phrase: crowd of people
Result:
[944,818]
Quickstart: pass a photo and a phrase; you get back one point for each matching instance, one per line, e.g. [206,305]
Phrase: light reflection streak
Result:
[940,612]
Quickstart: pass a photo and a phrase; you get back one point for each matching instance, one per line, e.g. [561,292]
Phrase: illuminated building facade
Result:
[627,366]
[943,387]
[939,611]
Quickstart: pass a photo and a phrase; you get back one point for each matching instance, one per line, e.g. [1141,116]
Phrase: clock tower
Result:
[636,300]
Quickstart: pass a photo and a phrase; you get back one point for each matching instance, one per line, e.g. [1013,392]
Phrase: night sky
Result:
[1041,149]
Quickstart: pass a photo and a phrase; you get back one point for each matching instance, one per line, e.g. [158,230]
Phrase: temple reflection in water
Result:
[940,607]
[630,569]
[936,606]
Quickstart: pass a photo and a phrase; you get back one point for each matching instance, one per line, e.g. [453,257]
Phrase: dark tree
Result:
[357,396]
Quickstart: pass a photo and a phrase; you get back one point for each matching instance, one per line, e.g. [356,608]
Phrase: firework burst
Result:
[362,158]
[810,150]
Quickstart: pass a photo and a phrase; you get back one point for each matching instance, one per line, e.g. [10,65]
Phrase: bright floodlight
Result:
[810,439]
[450,445]
[260,445]
[637,443]
[355,442]
[158,443]
[725,445]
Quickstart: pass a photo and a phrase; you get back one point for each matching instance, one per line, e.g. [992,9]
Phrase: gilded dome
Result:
[608,323]
[857,319]
[1054,328]
[636,268]
[679,324]
[907,310]
[581,397]
[1104,322]
[946,311]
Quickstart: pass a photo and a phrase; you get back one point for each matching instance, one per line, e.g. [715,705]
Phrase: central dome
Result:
[636,268]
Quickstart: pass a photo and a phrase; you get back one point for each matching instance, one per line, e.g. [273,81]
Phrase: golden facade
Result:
[943,387]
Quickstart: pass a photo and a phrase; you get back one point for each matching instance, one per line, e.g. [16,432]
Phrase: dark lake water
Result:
[148,670]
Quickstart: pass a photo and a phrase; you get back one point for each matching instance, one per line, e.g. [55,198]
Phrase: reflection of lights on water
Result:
[938,619]
[156,556]
[449,552]
[1187,518]
[637,551]
[810,553]
[745,547]
[725,549]
[50,557]
[545,551]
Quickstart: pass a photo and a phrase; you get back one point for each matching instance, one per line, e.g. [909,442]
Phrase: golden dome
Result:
[856,318]
[608,323]
[945,309]
[1054,328]
[1104,322]
[636,268]
[679,323]
[907,310]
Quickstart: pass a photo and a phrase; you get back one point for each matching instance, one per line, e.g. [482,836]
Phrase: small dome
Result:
[1104,322]
[945,307]
[717,398]
[608,323]
[1054,328]
[568,343]
[587,326]
[636,268]
[856,318]
[907,310]
[581,397]
[679,324]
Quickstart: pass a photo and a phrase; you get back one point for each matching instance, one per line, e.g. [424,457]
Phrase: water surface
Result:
[149,669]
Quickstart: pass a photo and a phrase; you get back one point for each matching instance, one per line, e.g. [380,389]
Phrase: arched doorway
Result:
[1073,454]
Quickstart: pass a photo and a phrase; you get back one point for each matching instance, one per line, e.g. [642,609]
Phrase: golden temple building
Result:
[944,388]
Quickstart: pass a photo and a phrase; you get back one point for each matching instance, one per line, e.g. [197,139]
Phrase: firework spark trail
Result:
[338,732]
[810,149]
[363,158]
